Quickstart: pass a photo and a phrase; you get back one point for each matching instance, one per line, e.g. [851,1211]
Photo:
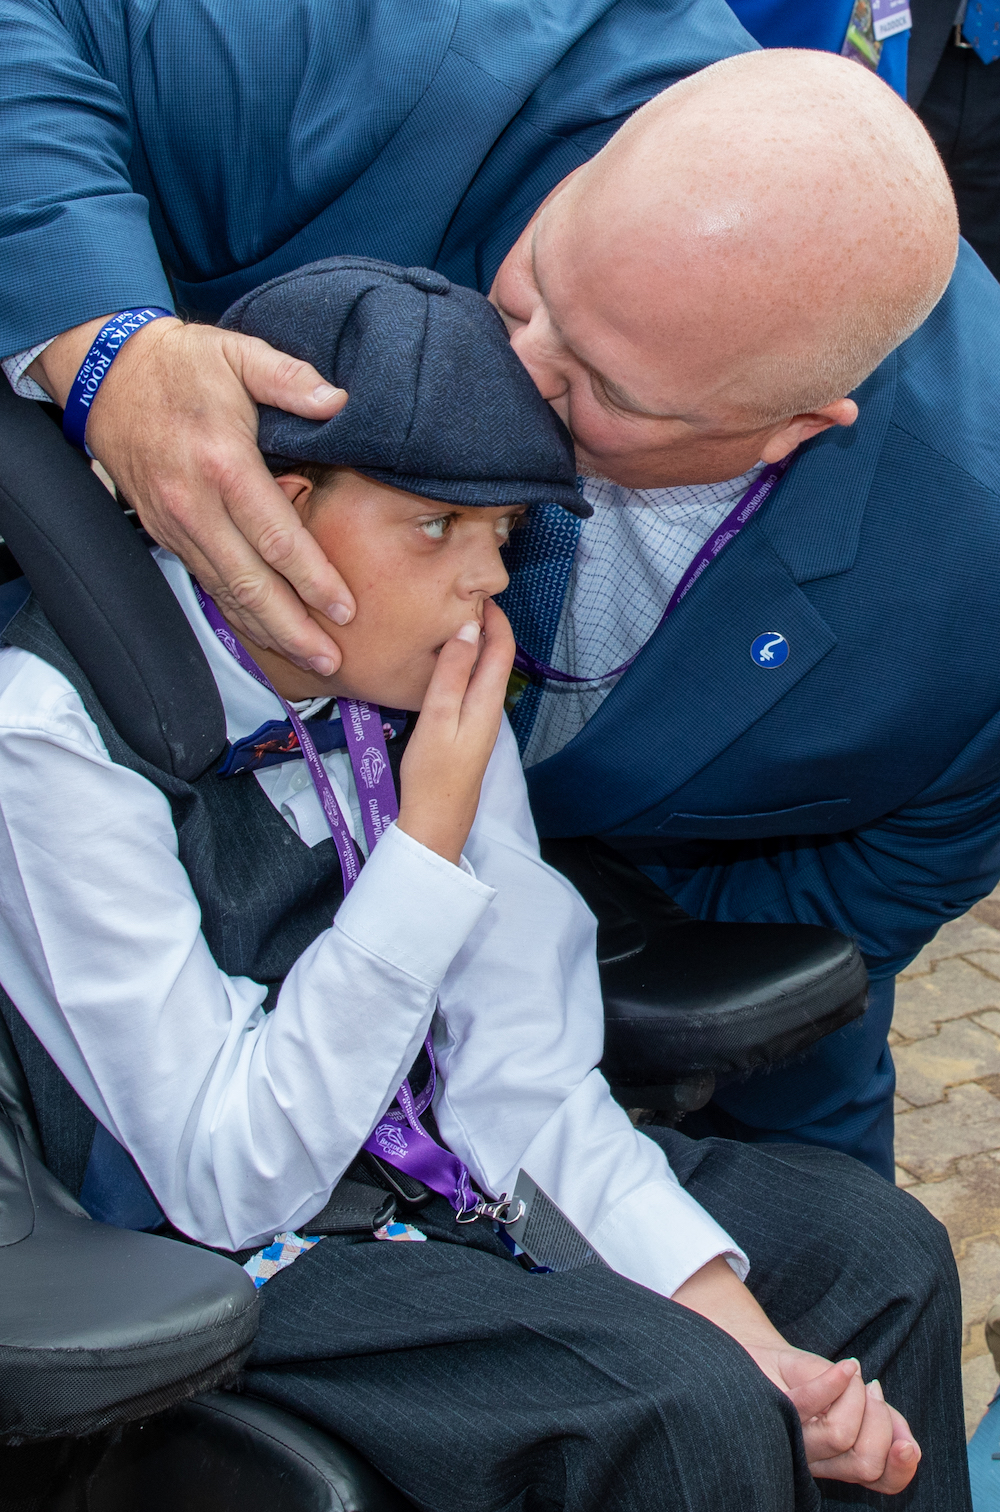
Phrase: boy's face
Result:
[419,570]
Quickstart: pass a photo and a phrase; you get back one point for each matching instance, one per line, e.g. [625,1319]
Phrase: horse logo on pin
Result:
[770,649]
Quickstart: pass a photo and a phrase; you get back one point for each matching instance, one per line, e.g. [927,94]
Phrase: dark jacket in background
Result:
[933,22]
[957,96]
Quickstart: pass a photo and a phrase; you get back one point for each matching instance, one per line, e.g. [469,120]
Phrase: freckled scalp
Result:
[781,220]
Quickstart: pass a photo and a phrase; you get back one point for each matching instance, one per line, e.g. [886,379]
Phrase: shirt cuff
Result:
[15,366]
[412,908]
[678,1237]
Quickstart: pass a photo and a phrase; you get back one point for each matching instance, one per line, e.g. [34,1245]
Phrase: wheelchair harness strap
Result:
[399,1137]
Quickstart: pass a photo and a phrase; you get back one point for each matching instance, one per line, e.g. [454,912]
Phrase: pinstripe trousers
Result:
[475,1386]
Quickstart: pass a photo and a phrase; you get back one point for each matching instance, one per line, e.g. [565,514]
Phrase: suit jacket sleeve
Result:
[891,885]
[75,241]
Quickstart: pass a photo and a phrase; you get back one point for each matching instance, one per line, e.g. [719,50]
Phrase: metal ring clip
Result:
[499,1210]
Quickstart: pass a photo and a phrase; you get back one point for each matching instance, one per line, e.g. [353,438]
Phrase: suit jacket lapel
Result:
[695,689]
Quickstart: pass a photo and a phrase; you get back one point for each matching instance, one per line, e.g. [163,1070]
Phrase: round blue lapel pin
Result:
[769,649]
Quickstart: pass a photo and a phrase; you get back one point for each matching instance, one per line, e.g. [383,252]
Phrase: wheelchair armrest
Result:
[100,1326]
[226,1453]
[685,997]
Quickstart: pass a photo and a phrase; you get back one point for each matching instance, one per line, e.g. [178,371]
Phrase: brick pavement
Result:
[946,1045]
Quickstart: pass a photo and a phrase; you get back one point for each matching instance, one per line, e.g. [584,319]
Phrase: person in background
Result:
[955,89]
[873,32]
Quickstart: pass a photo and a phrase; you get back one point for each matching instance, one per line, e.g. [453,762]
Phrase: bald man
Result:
[807,737]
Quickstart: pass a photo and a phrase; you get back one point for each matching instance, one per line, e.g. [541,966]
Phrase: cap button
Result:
[427,280]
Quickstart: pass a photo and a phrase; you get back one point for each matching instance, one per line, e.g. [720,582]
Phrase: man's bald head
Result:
[747,249]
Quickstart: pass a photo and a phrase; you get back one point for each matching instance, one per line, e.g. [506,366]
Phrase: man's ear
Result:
[296,489]
[791,433]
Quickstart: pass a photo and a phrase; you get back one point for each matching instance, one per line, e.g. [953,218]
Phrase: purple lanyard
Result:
[756,495]
[399,1137]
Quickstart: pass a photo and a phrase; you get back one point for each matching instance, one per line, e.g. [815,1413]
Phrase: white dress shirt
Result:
[15,370]
[630,556]
[242,1122]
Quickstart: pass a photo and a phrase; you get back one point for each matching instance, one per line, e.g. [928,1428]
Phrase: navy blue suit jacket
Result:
[228,141]
[859,782]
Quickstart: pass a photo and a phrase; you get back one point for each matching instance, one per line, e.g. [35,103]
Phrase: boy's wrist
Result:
[430,832]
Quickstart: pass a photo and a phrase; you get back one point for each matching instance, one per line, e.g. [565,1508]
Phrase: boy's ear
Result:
[297,490]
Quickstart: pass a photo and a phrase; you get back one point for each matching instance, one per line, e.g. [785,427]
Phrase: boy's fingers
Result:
[836,1430]
[450,678]
[868,1461]
[496,658]
[818,1395]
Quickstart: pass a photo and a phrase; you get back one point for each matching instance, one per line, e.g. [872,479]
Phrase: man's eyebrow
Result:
[619,396]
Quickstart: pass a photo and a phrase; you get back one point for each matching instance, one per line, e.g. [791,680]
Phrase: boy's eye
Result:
[505,525]
[436,530]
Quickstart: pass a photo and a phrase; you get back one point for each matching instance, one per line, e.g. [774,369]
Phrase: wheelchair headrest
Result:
[105,596]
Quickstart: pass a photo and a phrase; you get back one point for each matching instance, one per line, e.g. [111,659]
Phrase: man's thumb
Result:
[273,377]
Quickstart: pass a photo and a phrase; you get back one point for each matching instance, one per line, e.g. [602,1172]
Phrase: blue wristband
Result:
[110,340]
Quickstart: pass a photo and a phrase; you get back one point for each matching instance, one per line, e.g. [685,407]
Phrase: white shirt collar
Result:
[247,704]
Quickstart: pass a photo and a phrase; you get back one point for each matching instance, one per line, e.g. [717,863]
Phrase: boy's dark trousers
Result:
[476,1386]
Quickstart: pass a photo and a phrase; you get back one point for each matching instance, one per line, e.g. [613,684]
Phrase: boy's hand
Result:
[449,751]
[849,1430]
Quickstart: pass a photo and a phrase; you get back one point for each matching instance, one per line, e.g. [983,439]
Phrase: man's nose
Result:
[535,352]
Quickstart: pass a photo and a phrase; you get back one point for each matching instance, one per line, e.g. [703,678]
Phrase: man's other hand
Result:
[175,425]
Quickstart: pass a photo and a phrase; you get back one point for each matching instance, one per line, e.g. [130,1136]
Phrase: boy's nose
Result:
[489,576]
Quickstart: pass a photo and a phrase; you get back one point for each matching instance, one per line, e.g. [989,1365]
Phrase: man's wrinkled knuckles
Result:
[279,543]
[266,364]
[254,593]
[176,504]
[233,467]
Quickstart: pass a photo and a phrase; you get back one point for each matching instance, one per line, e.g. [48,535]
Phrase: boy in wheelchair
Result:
[168,947]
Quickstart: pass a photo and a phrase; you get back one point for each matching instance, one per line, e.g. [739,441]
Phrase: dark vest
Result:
[264,894]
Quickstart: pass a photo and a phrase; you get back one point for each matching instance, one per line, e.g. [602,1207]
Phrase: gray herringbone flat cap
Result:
[439,404]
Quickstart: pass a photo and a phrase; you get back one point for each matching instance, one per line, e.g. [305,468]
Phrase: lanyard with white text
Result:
[399,1137]
[750,502]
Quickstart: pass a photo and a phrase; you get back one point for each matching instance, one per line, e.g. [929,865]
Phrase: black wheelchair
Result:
[119,1349]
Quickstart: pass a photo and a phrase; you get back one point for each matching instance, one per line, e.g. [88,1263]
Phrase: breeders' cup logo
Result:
[770,649]
[372,766]
[391,1139]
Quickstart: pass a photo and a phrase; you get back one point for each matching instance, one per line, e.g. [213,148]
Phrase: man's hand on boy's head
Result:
[175,424]
[446,759]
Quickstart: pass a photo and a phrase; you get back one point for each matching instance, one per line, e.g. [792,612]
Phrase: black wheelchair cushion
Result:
[98,1325]
[107,599]
[226,1453]
[682,995]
